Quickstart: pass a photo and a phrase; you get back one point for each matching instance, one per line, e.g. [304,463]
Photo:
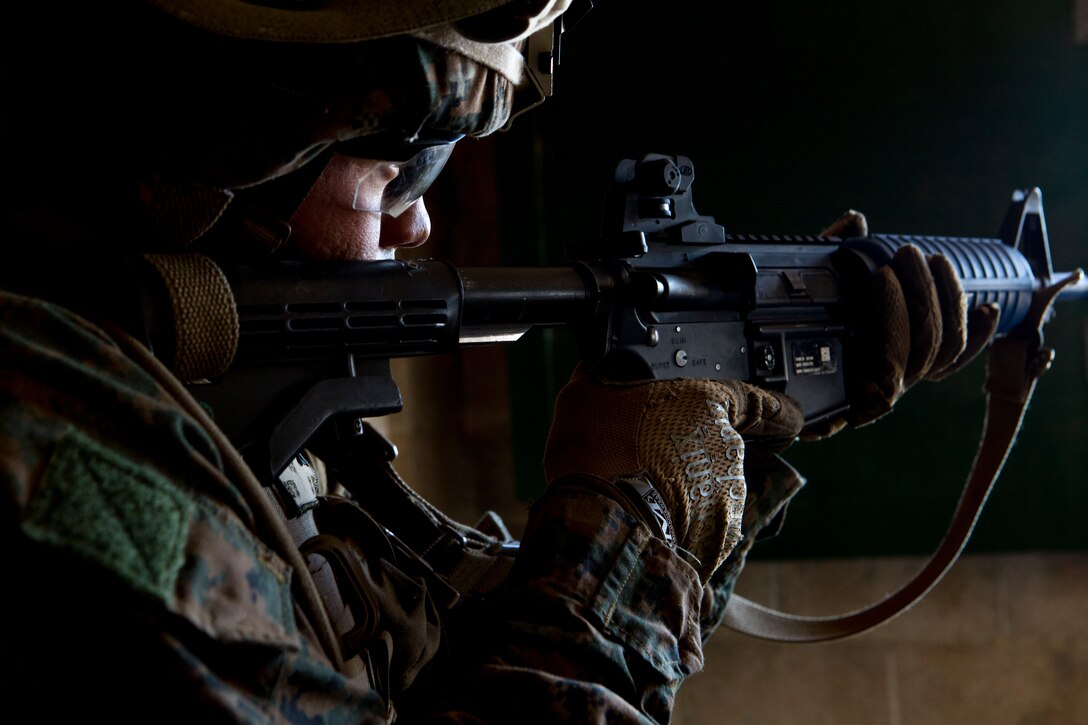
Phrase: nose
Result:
[411,229]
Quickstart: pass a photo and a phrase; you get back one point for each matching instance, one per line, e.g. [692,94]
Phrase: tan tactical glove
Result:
[915,327]
[673,447]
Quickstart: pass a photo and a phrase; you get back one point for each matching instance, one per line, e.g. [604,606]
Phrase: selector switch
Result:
[766,357]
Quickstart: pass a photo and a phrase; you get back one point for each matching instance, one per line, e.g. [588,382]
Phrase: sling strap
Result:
[1014,365]
[204,319]
[205,332]
[473,560]
[269,520]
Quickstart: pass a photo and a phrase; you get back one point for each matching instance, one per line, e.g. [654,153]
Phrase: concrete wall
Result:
[943,109]
[1003,640]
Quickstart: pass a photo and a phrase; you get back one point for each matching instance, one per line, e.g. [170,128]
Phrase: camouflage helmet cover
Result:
[339,21]
[228,94]
[358,68]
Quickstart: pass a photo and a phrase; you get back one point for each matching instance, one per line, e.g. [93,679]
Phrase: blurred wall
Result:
[1001,641]
[924,115]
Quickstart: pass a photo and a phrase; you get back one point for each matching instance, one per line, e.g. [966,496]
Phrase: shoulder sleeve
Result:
[598,622]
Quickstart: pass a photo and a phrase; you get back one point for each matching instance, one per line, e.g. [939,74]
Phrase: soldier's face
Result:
[333,221]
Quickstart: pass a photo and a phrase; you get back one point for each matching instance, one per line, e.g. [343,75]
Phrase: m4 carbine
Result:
[663,293]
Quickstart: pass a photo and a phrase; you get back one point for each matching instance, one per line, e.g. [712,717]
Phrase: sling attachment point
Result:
[473,560]
[1014,365]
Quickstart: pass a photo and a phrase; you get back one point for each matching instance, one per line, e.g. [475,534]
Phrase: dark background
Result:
[925,116]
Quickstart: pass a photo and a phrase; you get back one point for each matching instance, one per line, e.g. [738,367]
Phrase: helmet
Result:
[346,21]
[194,103]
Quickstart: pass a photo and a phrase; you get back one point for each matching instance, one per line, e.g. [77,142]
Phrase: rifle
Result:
[664,292]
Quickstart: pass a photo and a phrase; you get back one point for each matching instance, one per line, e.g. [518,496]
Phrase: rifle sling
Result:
[1014,365]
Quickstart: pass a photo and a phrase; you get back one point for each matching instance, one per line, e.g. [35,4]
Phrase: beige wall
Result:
[1002,640]
[453,436]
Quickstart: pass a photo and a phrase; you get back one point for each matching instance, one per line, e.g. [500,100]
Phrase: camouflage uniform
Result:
[147,580]
[151,564]
[156,589]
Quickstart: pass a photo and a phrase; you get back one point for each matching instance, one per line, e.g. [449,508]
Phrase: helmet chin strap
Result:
[178,214]
[257,225]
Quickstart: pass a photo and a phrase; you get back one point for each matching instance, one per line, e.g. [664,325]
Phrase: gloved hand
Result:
[915,327]
[672,447]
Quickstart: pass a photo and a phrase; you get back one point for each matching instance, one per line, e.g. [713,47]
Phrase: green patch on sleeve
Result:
[112,512]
